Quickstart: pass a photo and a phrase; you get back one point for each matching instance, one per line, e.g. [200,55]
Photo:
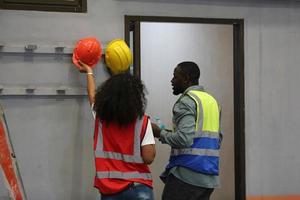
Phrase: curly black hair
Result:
[120,99]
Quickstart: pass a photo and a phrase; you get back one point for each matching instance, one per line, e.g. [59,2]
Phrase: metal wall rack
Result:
[38,49]
[33,90]
[41,91]
[35,49]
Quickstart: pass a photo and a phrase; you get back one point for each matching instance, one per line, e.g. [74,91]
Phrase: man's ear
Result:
[186,79]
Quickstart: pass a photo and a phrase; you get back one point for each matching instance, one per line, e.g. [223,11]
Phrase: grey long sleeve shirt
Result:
[184,121]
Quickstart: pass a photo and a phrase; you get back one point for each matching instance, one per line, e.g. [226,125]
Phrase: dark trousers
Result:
[176,189]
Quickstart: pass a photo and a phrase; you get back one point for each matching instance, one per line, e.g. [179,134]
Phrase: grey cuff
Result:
[163,134]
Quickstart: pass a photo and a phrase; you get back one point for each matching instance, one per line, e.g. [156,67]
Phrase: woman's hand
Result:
[85,68]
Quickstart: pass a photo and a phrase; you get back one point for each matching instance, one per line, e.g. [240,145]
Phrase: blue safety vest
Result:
[203,155]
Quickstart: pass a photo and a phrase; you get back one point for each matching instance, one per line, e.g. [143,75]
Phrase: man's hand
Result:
[156,130]
[85,68]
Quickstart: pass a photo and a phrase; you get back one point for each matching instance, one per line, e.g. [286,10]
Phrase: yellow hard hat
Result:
[118,56]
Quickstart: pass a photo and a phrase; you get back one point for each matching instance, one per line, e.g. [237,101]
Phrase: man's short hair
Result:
[190,70]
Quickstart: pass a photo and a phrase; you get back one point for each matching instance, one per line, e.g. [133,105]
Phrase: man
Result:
[193,169]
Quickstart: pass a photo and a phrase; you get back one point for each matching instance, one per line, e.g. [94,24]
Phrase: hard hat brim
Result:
[76,61]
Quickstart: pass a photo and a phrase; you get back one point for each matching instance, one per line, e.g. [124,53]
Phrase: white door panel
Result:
[163,46]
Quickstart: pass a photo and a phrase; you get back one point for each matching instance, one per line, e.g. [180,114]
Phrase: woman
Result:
[124,144]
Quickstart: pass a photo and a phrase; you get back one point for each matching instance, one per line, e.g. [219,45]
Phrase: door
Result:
[159,44]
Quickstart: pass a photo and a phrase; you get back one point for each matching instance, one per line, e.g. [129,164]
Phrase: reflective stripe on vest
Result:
[123,175]
[206,128]
[135,158]
[195,151]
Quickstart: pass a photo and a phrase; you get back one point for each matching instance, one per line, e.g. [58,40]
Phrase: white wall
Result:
[271,73]
[163,46]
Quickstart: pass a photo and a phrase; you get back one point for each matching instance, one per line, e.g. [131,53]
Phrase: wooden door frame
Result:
[133,23]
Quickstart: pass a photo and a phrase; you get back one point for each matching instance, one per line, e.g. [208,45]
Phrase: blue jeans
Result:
[135,191]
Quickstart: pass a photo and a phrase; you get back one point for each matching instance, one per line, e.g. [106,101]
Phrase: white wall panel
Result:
[271,69]
[163,46]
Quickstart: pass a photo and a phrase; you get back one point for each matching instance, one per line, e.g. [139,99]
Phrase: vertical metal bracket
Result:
[61,90]
[30,89]
[1,88]
[59,49]
[30,47]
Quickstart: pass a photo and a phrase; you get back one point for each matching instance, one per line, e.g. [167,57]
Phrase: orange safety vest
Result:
[118,157]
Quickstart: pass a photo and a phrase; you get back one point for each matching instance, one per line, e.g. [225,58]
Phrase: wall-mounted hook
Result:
[59,49]
[61,90]
[30,47]
[30,89]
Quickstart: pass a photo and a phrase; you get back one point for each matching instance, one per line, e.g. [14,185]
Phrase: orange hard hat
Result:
[87,50]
